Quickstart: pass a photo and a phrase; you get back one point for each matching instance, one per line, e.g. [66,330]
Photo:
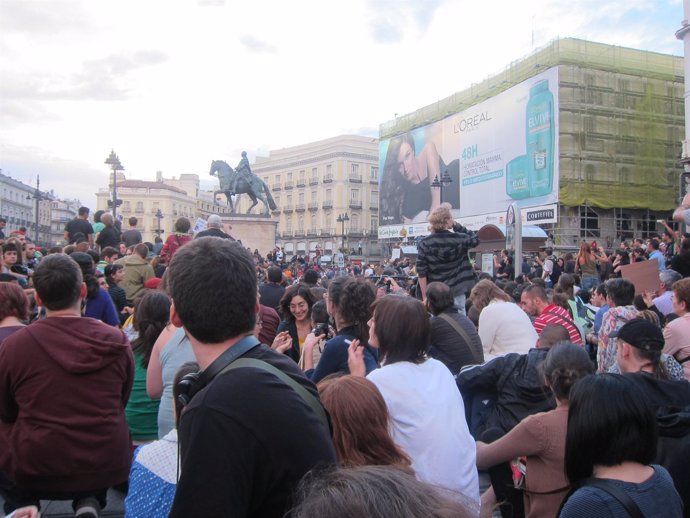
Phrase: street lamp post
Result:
[438,184]
[114,162]
[37,197]
[159,217]
[342,218]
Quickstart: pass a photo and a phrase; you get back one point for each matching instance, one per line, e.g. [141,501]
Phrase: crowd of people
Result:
[203,379]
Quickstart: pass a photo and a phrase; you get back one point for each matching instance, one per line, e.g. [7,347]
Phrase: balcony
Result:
[374,206]
[299,232]
[328,178]
[313,205]
[286,234]
[327,204]
[327,231]
[314,180]
[287,209]
[276,210]
[356,178]
[276,186]
[312,232]
[139,210]
[355,232]
[354,204]
[374,181]
[289,185]
[301,182]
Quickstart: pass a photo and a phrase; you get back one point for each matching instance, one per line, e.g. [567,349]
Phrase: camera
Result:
[322,329]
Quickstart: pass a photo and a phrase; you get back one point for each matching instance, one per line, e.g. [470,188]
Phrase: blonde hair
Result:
[439,217]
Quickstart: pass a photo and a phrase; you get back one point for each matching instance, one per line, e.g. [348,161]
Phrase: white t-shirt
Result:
[428,423]
[505,328]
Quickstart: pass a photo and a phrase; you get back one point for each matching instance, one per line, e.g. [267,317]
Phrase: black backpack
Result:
[556,272]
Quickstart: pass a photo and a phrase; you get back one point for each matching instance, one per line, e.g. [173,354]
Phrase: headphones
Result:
[192,383]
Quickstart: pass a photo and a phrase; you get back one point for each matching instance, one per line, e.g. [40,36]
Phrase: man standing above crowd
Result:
[79,227]
[443,255]
[535,303]
[65,383]
[249,433]
[213,228]
[654,253]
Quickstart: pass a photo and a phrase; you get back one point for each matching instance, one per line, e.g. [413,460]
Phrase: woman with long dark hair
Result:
[349,304]
[407,177]
[611,441]
[151,315]
[295,308]
[586,267]
[426,408]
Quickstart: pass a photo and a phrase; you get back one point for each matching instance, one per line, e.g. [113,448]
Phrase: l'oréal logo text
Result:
[471,123]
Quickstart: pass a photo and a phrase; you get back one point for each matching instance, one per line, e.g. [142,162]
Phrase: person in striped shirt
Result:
[535,303]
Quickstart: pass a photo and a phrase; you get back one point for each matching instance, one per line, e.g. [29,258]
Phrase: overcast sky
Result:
[173,85]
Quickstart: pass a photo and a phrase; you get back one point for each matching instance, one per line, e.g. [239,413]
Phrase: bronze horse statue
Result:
[252,185]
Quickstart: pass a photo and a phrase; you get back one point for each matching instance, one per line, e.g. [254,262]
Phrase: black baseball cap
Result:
[642,334]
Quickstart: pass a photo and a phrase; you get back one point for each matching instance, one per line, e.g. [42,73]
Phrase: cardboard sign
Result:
[644,275]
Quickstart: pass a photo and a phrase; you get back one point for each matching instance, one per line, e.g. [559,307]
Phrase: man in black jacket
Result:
[443,255]
[247,436]
[454,339]
[505,390]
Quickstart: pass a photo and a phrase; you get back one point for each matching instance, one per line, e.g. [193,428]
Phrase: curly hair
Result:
[354,304]
[298,290]
[438,219]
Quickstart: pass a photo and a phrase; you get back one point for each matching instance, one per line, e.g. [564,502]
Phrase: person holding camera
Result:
[349,302]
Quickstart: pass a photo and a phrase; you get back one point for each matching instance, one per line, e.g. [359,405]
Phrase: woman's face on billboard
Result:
[407,165]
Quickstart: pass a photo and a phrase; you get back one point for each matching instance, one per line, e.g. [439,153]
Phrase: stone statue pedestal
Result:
[255,231]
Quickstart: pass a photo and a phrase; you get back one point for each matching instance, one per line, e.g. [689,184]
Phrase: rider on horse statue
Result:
[243,171]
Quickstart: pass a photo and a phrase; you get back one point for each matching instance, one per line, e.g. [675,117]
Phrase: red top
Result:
[553,314]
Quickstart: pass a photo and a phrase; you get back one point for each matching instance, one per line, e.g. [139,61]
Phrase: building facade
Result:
[157,204]
[620,127]
[326,194]
[21,205]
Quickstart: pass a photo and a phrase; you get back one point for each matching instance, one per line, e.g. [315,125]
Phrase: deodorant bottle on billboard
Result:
[540,139]
[517,178]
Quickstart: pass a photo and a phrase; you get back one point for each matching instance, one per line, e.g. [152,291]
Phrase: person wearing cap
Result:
[213,228]
[640,343]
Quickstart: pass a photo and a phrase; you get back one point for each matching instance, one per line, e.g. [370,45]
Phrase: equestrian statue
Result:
[241,181]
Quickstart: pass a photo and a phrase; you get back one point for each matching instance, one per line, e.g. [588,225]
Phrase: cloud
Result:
[100,79]
[41,19]
[255,45]
[391,18]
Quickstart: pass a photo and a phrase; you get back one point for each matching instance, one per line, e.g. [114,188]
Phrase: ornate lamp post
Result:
[342,218]
[159,217]
[114,162]
[445,180]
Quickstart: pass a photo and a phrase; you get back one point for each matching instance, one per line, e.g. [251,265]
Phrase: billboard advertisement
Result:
[499,151]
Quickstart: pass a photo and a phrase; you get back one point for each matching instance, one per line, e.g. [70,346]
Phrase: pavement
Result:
[63,508]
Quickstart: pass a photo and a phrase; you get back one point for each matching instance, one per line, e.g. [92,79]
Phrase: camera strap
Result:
[229,355]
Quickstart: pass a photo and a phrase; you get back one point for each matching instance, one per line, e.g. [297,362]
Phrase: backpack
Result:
[556,272]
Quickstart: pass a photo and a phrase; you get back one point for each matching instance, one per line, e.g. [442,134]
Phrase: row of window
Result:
[301,178]
[329,221]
